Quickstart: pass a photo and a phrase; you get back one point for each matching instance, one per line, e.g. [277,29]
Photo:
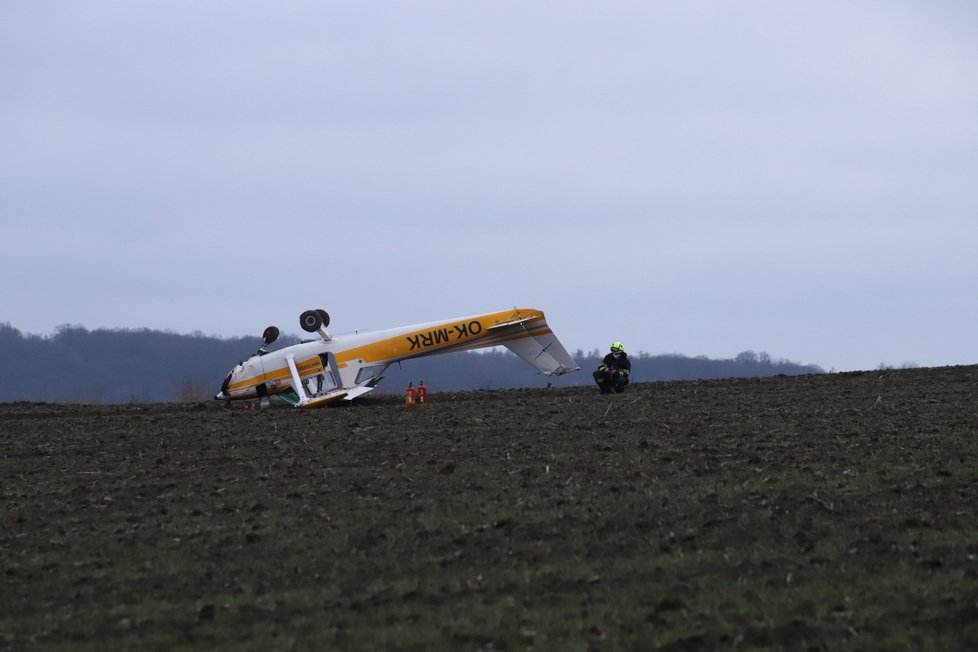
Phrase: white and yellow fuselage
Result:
[343,367]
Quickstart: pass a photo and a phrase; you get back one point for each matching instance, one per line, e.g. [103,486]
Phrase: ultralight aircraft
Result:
[329,368]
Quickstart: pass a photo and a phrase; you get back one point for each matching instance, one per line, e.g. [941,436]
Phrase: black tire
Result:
[270,335]
[310,321]
[324,316]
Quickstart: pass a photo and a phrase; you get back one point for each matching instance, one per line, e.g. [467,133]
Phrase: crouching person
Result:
[612,373]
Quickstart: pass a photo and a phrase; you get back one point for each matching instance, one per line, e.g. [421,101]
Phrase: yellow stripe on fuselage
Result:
[430,339]
[282,374]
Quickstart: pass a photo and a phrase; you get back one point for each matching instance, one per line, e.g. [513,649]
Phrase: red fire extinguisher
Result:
[422,394]
[409,395]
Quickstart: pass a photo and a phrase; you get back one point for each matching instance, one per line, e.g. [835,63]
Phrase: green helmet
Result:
[617,347]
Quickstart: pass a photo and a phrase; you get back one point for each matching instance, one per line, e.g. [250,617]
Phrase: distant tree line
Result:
[141,366]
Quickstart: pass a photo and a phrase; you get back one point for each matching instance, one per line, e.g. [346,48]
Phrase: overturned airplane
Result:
[335,368]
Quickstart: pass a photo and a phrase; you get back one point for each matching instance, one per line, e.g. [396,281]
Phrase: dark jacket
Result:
[621,363]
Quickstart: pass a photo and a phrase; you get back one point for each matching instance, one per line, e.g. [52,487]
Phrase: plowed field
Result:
[828,512]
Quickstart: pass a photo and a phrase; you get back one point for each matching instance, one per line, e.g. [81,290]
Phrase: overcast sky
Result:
[701,178]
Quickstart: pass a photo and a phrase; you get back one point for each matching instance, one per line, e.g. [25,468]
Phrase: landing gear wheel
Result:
[312,320]
[269,336]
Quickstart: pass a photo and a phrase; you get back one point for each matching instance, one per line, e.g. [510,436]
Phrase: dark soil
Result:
[827,512]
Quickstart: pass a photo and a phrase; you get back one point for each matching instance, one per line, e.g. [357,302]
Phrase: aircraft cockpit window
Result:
[370,373]
[325,381]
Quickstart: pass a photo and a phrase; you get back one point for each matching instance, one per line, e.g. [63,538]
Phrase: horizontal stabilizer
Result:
[541,348]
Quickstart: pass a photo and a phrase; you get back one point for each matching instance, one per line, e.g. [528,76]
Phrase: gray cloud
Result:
[683,177]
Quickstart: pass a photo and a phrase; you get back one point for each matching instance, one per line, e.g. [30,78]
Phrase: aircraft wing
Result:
[532,340]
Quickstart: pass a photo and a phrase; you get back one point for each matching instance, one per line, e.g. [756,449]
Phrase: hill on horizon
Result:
[142,366]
